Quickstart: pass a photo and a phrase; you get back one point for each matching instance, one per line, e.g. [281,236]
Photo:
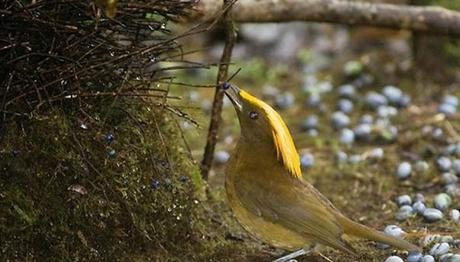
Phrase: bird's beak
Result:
[233,93]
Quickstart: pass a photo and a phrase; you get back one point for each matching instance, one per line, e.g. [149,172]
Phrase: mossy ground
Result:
[366,191]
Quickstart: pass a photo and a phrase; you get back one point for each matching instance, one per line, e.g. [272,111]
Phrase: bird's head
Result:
[261,125]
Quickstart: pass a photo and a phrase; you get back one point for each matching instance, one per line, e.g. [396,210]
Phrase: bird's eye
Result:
[253,115]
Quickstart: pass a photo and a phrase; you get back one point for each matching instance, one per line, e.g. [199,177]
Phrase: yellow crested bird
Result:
[268,195]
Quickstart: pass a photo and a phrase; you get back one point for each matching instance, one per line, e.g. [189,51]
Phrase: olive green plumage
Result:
[266,191]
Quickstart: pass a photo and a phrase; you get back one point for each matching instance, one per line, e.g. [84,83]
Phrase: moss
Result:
[63,197]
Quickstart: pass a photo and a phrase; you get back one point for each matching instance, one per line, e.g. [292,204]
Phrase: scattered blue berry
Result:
[449,257]
[14,152]
[403,200]
[404,213]
[374,100]
[347,91]
[404,170]
[341,157]
[155,183]
[456,166]
[314,100]
[345,106]
[394,259]
[340,120]
[109,137]
[221,157]
[427,258]
[439,249]
[448,178]
[451,100]
[432,214]
[447,109]
[363,131]
[307,160]
[366,119]
[444,163]
[376,153]
[311,122]
[392,93]
[454,215]
[347,136]
[419,207]
[284,100]
[414,257]
[442,201]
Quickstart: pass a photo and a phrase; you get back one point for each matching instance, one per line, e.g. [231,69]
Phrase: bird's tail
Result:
[352,228]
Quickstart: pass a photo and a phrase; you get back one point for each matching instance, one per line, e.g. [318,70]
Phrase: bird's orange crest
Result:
[282,139]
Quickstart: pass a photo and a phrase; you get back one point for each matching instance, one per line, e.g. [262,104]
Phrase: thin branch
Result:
[219,94]
[428,19]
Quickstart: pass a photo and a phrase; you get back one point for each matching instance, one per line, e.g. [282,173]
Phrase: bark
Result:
[208,155]
[428,19]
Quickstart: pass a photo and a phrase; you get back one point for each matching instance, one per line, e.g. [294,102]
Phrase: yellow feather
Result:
[284,144]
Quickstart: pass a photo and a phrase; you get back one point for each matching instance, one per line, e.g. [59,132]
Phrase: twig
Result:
[219,94]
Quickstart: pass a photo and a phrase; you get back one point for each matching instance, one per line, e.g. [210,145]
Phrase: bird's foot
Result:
[292,255]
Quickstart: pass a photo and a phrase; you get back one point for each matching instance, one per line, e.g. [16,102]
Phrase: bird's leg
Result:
[292,255]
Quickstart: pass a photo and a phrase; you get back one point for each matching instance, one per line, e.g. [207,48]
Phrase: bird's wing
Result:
[294,205]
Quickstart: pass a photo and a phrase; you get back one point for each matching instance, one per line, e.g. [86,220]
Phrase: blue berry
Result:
[427,258]
[419,207]
[340,120]
[392,93]
[221,157]
[314,100]
[363,131]
[404,213]
[366,119]
[447,109]
[454,215]
[442,201]
[347,91]
[432,214]
[311,122]
[451,100]
[394,259]
[285,100]
[347,136]
[403,200]
[307,160]
[109,137]
[14,152]
[345,106]
[439,249]
[374,100]
[456,166]
[444,163]
[341,157]
[404,170]
[155,183]
[414,257]
[225,85]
